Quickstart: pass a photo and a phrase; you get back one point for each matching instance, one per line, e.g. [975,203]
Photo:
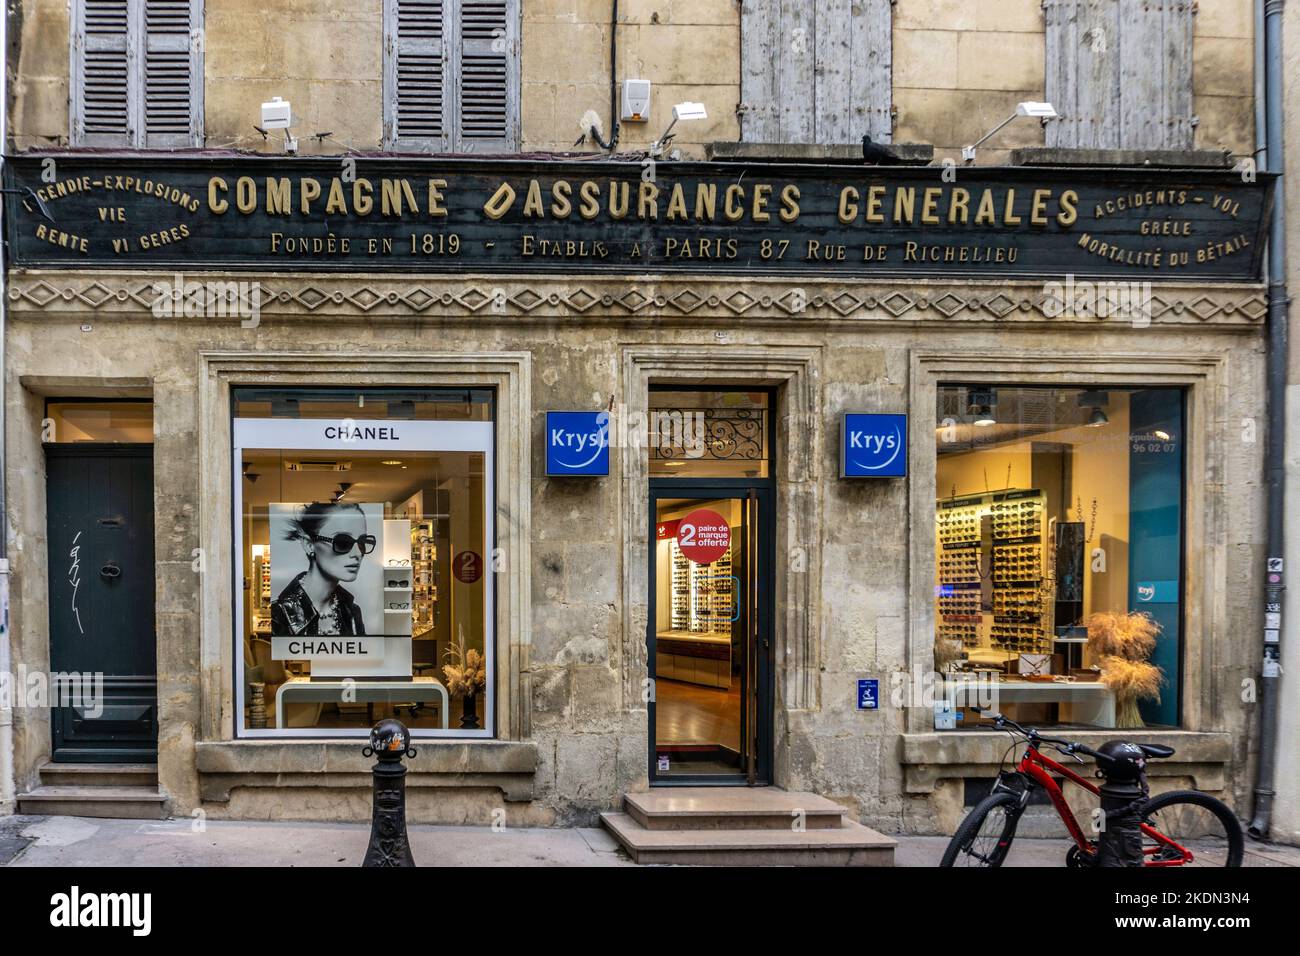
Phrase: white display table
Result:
[298,690]
[1082,702]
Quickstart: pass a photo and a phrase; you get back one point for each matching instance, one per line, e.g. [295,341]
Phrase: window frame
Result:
[1178,683]
[453,139]
[490,728]
[137,135]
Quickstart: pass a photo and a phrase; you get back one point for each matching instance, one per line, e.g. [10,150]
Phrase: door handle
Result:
[110,571]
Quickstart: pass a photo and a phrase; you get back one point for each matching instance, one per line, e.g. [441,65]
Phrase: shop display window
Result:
[1058,577]
[364,537]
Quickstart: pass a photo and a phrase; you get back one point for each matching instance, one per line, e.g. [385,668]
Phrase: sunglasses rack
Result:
[703,602]
[959,589]
[1020,591]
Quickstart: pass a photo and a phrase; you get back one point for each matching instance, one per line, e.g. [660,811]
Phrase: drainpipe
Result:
[7,793]
[1275,467]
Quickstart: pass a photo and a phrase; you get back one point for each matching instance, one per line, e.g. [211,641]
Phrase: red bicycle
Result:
[1179,828]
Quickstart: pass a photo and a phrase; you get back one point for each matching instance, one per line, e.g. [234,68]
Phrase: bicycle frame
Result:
[1036,767]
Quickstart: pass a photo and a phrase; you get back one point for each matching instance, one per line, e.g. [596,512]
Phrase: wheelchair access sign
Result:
[869,694]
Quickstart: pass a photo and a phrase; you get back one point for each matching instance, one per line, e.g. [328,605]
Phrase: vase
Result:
[468,713]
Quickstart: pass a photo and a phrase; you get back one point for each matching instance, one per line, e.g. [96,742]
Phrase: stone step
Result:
[850,845]
[99,774]
[730,808]
[136,803]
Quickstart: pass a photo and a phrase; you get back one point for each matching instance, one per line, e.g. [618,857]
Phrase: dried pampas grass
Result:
[1131,636]
[1124,643]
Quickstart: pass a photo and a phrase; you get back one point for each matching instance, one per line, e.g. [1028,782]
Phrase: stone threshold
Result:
[930,757]
[507,765]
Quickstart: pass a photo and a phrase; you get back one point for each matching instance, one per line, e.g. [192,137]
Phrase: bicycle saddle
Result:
[1157,750]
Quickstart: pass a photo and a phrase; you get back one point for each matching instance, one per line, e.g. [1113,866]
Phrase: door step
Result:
[716,826]
[99,774]
[731,808]
[138,803]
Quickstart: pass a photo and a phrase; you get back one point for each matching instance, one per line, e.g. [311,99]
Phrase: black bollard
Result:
[390,741]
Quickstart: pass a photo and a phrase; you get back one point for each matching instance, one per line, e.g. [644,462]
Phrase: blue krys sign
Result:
[577,443]
[869,694]
[873,446]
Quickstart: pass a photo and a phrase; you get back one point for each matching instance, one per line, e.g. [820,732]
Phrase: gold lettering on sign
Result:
[217,206]
[308,190]
[279,201]
[848,205]
[706,201]
[731,204]
[561,208]
[533,200]
[436,208]
[790,203]
[500,202]
[677,203]
[647,201]
[589,194]
[336,203]
[759,213]
[245,194]
[362,203]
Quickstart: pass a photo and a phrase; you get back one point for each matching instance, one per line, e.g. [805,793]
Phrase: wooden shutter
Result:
[172,62]
[1119,73]
[415,75]
[101,114]
[451,75]
[487,76]
[137,73]
[816,71]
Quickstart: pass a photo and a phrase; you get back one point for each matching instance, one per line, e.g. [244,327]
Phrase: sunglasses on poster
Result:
[343,542]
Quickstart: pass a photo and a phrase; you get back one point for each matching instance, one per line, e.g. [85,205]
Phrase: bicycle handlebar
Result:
[1034,738]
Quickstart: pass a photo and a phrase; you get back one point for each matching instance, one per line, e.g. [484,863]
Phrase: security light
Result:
[979,406]
[1044,112]
[277,114]
[682,111]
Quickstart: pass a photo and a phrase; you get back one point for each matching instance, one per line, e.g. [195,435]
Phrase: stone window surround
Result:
[225,761]
[928,755]
[795,372]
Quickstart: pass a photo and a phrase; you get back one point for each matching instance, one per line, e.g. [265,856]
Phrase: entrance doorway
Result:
[101,585]
[709,626]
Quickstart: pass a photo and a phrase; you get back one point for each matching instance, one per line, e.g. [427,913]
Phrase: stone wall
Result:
[862,607]
[960,66]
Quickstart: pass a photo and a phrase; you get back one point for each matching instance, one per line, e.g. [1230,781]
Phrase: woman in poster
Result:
[335,540]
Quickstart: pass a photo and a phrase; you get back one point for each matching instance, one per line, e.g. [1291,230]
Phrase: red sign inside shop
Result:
[703,536]
[666,530]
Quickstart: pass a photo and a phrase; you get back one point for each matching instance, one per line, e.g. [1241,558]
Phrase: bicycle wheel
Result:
[1191,824]
[985,836]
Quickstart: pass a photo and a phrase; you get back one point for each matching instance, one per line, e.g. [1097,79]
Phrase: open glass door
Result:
[708,635]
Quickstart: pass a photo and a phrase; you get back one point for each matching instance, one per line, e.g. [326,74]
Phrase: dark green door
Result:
[100,526]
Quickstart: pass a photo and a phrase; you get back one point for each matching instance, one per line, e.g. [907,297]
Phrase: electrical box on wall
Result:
[636,101]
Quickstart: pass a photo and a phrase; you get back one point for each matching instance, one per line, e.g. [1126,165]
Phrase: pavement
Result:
[83,842]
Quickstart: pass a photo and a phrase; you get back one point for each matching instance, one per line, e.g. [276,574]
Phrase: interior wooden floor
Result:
[695,714]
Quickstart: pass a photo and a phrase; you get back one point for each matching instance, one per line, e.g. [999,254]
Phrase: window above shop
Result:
[137,73]
[71,420]
[709,434]
[1119,73]
[451,75]
[816,72]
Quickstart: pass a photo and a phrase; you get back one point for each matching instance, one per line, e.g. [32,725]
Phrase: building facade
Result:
[1072,326]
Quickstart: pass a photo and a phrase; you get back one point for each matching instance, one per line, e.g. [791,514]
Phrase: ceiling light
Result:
[391,461]
[1163,435]
[1098,418]
[984,416]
